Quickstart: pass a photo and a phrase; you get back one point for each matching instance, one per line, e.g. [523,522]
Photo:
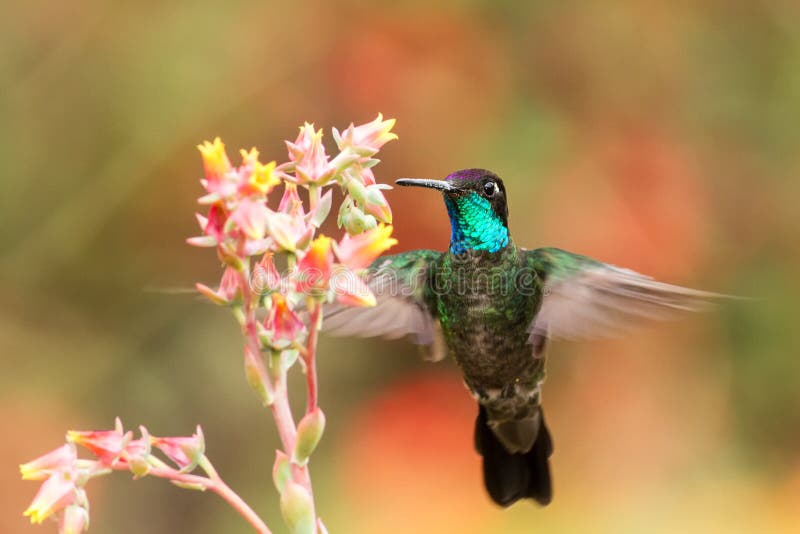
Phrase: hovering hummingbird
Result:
[493,306]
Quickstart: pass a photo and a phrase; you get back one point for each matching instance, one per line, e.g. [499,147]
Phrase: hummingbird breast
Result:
[486,303]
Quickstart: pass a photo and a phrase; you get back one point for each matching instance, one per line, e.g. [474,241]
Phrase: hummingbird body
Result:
[485,321]
[492,306]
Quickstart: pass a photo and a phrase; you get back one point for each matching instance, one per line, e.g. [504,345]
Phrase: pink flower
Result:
[282,321]
[74,520]
[186,452]
[314,269]
[107,445]
[251,218]
[42,467]
[228,291]
[359,251]
[265,276]
[308,154]
[288,233]
[367,139]
[288,227]
[57,492]
[291,203]
[212,227]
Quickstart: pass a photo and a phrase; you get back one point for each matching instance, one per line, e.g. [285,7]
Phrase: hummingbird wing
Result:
[584,298]
[404,304]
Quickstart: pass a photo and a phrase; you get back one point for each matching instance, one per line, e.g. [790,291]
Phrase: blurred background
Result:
[660,136]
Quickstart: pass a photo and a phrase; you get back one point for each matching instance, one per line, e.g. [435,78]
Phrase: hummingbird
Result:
[493,306]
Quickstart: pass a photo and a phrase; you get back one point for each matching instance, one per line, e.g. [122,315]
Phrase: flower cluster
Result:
[280,315]
[280,310]
[241,226]
[65,476]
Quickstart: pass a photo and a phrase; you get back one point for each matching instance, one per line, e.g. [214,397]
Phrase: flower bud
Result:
[281,470]
[137,454]
[353,219]
[309,432]
[195,486]
[258,385]
[297,508]
[376,204]
[358,191]
[74,520]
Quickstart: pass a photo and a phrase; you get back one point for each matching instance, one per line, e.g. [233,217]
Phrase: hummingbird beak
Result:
[441,185]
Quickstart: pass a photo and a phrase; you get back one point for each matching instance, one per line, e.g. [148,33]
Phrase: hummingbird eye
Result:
[489,188]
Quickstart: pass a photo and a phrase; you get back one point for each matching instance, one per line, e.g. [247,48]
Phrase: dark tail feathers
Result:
[509,477]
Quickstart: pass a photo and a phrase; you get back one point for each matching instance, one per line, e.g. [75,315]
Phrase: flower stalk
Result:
[280,315]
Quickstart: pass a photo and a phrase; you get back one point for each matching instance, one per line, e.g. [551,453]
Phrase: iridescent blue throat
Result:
[474,224]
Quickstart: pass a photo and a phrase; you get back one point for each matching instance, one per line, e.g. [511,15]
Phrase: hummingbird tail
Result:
[508,476]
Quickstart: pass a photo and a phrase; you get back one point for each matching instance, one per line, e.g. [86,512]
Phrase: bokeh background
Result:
[662,136]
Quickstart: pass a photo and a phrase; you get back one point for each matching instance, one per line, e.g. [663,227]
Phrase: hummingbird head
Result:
[476,203]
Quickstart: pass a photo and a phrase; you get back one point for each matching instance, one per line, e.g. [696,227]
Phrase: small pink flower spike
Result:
[57,492]
[367,139]
[359,251]
[60,459]
[107,445]
[186,452]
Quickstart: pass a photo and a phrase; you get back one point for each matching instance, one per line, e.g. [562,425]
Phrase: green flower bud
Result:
[189,485]
[309,432]
[297,509]
[281,470]
[254,379]
[358,191]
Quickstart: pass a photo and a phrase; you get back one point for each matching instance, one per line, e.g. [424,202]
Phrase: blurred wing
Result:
[585,298]
[399,284]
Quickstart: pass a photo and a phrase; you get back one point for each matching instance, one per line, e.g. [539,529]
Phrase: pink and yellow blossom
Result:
[311,163]
[215,160]
[57,492]
[107,445]
[314,268]
[282,320]
[366,139]
[185,452]
[42,467]
[359,251]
